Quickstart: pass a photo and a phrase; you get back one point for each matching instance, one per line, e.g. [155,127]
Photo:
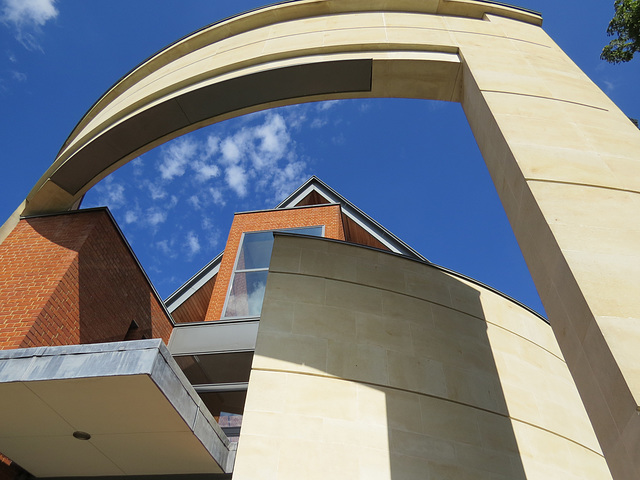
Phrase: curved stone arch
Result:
[562,156]
[283,54]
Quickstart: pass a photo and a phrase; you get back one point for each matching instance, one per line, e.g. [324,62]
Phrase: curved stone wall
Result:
[369,365]
[563,157]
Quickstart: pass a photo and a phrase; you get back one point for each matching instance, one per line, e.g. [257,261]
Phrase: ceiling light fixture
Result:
[81,435]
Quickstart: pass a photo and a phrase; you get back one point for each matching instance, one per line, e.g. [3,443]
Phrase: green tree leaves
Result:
[625,24]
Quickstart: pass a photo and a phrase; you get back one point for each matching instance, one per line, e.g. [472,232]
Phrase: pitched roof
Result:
[314,188]
[360,228]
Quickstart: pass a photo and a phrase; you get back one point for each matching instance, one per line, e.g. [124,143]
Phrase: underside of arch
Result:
[427,74]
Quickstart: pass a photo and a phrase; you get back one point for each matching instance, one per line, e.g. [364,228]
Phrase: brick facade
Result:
[327,215]
[194,309]
[71,279]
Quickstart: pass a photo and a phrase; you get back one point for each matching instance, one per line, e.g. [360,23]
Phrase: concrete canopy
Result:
[563,157]
[142,415]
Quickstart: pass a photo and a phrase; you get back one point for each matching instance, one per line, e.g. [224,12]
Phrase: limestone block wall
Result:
[372,366]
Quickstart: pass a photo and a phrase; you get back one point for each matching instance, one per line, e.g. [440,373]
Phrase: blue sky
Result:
[412,165]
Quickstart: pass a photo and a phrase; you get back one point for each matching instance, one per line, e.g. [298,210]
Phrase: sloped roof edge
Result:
[194,284]
[385,236]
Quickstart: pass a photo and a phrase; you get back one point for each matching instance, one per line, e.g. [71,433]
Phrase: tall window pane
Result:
[255,251]
[247,293]
[250,275]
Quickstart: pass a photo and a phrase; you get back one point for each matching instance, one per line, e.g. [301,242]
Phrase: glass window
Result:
[255,251]
[246,294]
[249,278]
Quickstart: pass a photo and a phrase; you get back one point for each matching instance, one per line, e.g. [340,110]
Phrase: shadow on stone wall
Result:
[392,355]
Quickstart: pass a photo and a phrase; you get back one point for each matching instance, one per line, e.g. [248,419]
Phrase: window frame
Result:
[245,270]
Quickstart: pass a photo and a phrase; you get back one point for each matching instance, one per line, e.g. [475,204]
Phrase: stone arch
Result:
[562,156]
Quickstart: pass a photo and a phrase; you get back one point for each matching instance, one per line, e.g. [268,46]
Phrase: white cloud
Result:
[212,146]
[260,155]
[609,86]
[230,148]
[192,243]
[138,166]
[173,201]
[194,201]
[205,171]
[165,248]
[110,193]
[115,195]
[237,180]
[176,156]
[287,179]
[364,106]
[326,105]
[212,234]
[319,122]
[27,14]
[207,224]
[155,217]
[295,116]
[28,41]
[217,196]
[12,57]
[156,192]
[338,139]
[130,216]
[273,140]
[19,76]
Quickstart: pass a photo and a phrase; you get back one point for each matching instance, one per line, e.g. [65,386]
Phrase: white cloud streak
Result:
[326,105]
[205,171]
[609,86]
[156,192]
[217,196]
[176,156]
[155,217]
[194,201]
[230,147]
[212,146]
[110,193]
[130,216]
[237,180]
[261,157]
[28,12]
[192,243]
[19,76]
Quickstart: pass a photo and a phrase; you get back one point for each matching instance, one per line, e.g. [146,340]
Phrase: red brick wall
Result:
[327,215]
[194,309]
[70,279]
